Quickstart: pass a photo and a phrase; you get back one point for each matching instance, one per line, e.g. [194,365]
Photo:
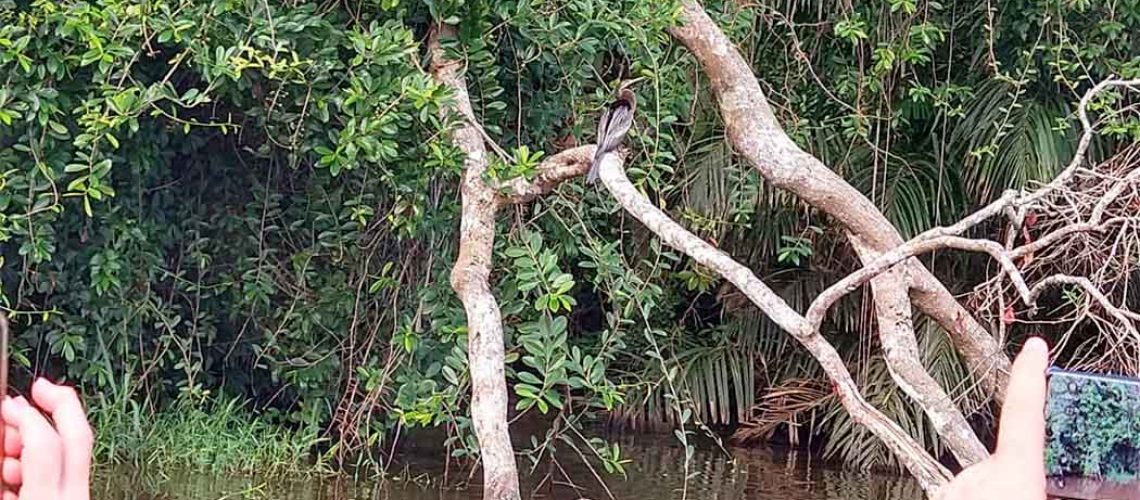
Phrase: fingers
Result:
[10,410]
[13,476]
[1022,429]
[56,454]
[10,468]
[12,441]
[62,403]
[42,453]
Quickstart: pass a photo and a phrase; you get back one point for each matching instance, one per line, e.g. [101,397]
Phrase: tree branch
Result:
[917,246]
[929,473]
[553,171]
[895,322]
[1123,315]
[757,136]
[1019,201]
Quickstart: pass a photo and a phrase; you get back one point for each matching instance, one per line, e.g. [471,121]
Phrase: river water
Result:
[656,473]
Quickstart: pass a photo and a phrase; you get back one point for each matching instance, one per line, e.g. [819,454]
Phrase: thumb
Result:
[1021,434]
[75,435]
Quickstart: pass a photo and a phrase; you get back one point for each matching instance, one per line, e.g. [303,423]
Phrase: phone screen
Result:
[1092,436]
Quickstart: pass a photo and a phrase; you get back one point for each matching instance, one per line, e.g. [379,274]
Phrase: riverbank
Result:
[217,437]
[221,438]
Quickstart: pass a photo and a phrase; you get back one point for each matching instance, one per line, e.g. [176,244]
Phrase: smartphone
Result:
[1092,436]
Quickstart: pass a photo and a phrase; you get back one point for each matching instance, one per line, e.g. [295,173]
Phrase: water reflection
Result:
[656,474]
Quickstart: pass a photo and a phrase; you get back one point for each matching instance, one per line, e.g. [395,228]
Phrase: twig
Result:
[487,138]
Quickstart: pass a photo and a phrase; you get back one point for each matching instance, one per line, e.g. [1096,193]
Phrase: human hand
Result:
[46,460]
[1016,470]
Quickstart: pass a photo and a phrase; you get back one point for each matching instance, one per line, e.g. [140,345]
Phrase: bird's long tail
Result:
[592,176]
[603,139]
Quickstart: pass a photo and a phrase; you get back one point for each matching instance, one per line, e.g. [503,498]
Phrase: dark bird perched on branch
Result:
[613,126]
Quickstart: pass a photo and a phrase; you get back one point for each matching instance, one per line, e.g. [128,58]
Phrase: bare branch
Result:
[929,472]
[917,246]
[1123,315]
[1087,132]
[1111,195]
[1086,228]
[922,244]
[1055,236]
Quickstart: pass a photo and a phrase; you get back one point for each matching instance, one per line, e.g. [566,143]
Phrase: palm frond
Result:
[1004,142]
[912,190]
[716,381]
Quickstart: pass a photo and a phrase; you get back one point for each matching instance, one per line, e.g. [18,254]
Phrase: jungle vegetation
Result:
[251,209]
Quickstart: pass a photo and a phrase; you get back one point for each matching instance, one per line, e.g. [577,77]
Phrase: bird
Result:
[614,124]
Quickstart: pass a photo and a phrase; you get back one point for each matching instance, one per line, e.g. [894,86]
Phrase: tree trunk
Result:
[469,278]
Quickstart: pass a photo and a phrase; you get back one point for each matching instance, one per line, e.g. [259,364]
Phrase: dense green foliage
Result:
[257,200]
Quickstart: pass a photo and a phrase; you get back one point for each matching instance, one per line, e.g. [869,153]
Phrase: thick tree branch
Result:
[551,172]
[758,137]
[900,350]
[929,473]
[470,275]
[469,279]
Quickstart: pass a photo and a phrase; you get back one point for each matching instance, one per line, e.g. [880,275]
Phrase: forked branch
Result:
[929,472]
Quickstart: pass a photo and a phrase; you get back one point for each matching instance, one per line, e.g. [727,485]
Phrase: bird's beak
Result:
[632,82]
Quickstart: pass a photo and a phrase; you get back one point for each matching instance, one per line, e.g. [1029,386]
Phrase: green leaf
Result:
[529,378]
[78,185]
[526,391]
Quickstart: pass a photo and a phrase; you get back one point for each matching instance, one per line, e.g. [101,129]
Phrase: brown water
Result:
[657,473]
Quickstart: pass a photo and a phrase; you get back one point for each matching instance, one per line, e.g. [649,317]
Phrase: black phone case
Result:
[1092,436]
